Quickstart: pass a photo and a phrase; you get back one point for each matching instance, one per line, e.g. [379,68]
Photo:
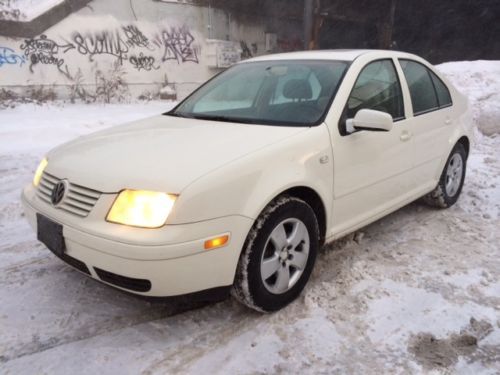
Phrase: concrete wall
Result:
[116,49]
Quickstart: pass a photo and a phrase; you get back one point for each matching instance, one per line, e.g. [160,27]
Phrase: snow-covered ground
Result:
[416,292]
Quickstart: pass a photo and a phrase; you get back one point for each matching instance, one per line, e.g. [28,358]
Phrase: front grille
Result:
[79,200]
[137,285]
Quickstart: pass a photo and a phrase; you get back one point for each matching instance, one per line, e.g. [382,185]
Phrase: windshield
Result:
[289,93]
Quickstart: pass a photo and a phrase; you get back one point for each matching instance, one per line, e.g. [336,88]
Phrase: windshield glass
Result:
[289,93]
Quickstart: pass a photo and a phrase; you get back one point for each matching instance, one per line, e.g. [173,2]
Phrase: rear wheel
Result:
[451,182]
[278,256]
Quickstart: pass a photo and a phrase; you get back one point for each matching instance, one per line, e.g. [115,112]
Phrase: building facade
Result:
[111,50]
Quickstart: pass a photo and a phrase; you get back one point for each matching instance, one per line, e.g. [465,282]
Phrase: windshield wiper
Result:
[225,119]
[212,118]
[177,114]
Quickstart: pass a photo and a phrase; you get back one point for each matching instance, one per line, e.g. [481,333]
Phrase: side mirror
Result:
[370,120]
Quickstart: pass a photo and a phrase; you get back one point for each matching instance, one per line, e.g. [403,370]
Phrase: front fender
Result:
[245,186]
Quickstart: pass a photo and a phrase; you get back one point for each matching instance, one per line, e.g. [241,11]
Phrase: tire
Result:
[451,181]
[261,278]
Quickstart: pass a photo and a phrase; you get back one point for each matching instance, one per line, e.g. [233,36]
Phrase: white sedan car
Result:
[238,187]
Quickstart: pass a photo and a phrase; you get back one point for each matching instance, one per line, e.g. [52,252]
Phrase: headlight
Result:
[39,171]
[138,208]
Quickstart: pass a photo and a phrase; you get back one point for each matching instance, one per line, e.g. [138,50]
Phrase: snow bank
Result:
[480,81]
[25,10]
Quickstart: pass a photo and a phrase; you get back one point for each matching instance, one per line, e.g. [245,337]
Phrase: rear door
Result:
[432,120]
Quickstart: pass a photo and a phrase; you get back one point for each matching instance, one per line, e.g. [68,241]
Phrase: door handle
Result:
[447,121]
[405,136]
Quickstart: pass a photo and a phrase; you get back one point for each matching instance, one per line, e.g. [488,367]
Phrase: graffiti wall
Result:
[108,51]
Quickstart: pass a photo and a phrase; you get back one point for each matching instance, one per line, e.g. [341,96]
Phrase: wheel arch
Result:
[314,200]
[464,140]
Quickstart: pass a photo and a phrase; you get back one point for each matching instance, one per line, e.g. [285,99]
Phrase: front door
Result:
[372,170]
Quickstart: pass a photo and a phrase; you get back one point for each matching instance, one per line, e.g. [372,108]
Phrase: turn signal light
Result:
[216,242]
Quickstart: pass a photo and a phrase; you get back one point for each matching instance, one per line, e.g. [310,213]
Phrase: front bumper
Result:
[177,267]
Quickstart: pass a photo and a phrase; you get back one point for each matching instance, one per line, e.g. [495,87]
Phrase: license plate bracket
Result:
[50,234]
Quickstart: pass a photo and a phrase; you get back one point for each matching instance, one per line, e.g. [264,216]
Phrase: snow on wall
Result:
[25,10]
[112,45]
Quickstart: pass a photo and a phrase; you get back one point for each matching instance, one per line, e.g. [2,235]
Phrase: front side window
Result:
[288,93]
[377,88]
[423,94]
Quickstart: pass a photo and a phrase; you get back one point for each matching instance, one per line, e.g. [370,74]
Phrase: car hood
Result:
[162,153]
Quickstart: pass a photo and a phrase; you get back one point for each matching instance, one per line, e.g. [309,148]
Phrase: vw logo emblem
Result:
[58,193]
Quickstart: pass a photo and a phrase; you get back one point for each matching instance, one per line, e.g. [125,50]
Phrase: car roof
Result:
[335,54]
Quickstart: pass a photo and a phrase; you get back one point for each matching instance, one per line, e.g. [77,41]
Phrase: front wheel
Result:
[278,256]
[452,180]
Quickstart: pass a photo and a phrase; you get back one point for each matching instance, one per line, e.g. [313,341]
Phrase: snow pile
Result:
[168,92]
[25,10]
[480,81]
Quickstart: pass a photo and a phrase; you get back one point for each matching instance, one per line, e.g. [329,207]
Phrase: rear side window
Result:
[378,88]
[444,97]
[423,94]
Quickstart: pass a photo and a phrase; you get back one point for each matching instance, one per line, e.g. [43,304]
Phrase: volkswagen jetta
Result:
[238,187]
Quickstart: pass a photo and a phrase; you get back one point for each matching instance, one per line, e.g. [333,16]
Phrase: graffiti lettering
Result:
[127,43]
[136,38]
[43,44]
[143,62]
[228,54]
[40,58]
[43,50]
[104,43]
[178,45]
[9,57]
[228,58]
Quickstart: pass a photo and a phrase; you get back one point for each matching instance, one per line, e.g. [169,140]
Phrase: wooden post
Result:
[308,22]
[387,26]
[319,18]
